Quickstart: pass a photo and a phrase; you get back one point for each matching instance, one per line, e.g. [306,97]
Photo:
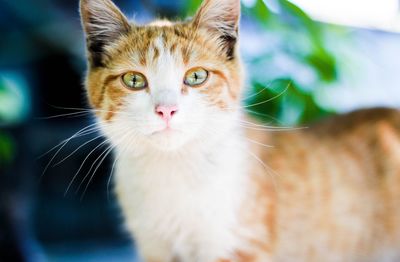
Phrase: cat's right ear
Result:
[103,23]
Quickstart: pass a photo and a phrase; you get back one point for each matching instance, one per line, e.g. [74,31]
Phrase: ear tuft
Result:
[103,23]
[220,17]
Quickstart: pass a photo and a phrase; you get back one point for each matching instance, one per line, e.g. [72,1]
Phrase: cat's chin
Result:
[168,140]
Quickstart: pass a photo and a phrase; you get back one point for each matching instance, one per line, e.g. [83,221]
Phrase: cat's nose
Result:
[166,112]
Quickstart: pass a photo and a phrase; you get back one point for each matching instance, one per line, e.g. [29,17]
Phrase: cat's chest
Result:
[183,206]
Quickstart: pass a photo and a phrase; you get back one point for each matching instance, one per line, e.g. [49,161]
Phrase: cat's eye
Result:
[134,81]
[196,77]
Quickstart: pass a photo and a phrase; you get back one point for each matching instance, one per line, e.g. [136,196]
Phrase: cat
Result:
[193,177]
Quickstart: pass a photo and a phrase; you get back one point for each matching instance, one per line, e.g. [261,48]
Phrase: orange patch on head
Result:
[156,54]
[173,48]
[142,58]
[185,54]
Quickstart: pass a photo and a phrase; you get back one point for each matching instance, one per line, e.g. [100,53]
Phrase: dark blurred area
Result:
[59,205]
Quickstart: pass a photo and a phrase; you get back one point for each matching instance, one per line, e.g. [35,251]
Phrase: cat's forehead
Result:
[162,34]
[145,45]
[161,23]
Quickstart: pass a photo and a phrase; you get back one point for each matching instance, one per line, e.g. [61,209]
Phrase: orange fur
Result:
[338,199]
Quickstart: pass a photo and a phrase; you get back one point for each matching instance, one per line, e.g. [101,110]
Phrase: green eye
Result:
[135,81]
[196,77]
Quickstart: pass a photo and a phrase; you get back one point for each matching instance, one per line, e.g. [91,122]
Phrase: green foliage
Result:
[7,149]
[323,63]
[287,100]
[192,6]
[260,12]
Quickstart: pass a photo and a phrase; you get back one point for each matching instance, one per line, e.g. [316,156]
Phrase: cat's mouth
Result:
[165,131]
[167,138]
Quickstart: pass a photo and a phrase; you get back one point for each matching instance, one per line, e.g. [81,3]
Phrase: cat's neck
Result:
[205,177]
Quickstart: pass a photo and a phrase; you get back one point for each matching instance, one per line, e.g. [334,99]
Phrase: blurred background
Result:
[307,58]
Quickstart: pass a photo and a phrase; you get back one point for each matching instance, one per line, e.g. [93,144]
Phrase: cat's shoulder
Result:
[366,119]
[376,128]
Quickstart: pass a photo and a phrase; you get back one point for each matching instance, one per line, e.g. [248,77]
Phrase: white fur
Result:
[180,190]
[184,204]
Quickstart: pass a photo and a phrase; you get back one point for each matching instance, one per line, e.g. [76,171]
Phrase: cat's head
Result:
[166,83]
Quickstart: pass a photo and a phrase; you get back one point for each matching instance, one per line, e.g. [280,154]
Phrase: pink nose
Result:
[166,112]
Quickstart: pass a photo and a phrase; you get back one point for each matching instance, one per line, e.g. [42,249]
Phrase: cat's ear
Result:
[221,18]
[103,23]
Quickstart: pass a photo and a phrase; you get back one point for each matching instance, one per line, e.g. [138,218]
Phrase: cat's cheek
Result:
[217,94]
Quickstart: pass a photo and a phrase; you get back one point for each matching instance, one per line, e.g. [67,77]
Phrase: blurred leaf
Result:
[192,6]
[260,11]
[319,58]
[311,111]
[324,64]
[7,149]
[299,18]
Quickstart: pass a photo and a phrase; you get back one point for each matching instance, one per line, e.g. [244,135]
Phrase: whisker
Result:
[71,108]
[259,92]
[104,154]
[55,155]
[75,114]
[76,150]
[109,150]
[270,99]
[273,129]
[259,143]
[263,115]
[112,173]
[258,103]
[266,126]
[91,110]
[77,134]
[81,166]
[267,168]
[113,167]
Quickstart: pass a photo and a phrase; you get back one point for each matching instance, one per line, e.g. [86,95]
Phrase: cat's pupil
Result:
[195,76]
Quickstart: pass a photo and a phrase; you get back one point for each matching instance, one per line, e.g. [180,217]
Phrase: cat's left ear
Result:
[221,18]
[103,23]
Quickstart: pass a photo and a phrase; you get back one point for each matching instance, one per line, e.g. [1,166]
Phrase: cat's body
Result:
[193,176]
[337,189]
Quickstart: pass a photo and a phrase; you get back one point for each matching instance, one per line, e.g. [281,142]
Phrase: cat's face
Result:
[164,84]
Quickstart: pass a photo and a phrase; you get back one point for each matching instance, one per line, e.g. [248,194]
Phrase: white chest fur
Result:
[184,205]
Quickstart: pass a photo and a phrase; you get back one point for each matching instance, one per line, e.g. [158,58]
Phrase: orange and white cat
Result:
[193,178]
